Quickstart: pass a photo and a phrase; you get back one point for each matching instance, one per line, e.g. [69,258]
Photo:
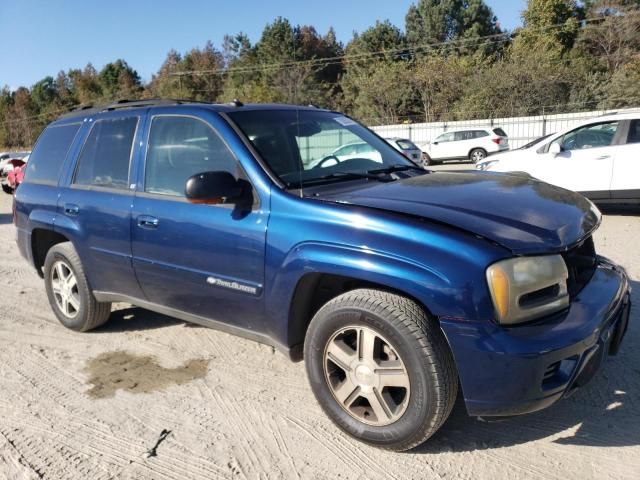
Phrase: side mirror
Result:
[213,188]
[555,149]
[434,143]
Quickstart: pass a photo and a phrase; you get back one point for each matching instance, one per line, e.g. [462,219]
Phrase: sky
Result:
[42,37]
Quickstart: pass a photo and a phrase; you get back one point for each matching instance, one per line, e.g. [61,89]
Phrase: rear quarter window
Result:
[49,153]
[406,145]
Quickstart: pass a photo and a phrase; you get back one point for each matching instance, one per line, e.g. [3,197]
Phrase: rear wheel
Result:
[380,368]
[477,155]
[68,290]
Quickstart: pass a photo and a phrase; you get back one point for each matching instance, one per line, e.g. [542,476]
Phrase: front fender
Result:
[432,287]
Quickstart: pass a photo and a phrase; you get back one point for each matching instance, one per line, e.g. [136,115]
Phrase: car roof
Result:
[140,105]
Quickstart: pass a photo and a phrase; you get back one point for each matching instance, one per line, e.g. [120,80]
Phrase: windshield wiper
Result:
[340,176]
[398,167]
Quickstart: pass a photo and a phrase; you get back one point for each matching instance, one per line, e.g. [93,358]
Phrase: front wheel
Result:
[380,368]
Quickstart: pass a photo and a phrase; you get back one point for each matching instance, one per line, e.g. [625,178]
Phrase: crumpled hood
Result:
[522,214]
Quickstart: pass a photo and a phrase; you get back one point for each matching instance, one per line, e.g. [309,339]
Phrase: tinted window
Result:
[180,147]
[590,136]
[499,131]
[406,145]
[49,154]
[104,161]
[634,132]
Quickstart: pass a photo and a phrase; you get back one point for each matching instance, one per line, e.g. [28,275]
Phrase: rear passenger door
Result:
[625,182]
[206,260]
[94,207]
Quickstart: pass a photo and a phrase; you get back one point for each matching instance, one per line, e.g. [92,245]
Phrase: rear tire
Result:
[477,154]
[403,391]
[68,290]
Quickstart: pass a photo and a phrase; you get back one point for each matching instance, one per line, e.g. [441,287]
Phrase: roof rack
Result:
[122,104]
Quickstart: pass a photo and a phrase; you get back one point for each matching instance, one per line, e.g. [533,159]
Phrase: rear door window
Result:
[634,132]
[49,153]
[106,155]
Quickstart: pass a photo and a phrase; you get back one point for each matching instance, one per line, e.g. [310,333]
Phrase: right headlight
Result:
[485,165]
[525,288]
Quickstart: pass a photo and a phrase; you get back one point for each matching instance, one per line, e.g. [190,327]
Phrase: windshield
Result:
[304,146]
[535,142]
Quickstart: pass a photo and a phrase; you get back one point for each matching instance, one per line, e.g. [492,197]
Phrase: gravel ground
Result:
[196,403]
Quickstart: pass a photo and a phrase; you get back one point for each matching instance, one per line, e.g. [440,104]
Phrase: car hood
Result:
[522,214]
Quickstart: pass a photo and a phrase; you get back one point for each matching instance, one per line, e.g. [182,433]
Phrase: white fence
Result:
[520,130]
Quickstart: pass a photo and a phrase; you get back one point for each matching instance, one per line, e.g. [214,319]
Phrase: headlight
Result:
[525,288]
[485,165]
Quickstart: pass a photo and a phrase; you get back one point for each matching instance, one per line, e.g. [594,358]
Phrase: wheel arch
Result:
[42,239]
[486,154]
[319,273]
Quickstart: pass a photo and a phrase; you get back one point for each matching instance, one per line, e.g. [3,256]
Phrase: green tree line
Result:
[452,60]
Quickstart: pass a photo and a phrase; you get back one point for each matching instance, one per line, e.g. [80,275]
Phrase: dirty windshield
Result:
[305,146]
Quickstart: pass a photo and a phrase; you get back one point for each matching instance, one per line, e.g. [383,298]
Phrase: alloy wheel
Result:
[65,289]
[366,375]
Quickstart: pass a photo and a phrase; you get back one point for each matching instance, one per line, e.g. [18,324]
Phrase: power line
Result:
[339,59]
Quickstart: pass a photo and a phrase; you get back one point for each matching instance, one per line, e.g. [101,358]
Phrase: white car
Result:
[348,152]
[406,147]
[599,158]
[473,144]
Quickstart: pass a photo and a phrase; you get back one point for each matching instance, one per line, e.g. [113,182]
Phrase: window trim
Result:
[141,185]
[58,180]
[100,188]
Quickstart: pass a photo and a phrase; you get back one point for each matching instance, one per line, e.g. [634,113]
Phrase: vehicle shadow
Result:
[603,413]
[131,319]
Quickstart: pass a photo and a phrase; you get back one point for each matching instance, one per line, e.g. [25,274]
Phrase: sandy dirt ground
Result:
[147,396]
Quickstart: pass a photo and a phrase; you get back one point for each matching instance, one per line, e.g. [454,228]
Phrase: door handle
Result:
[603,157]
[147,221]
[71,209]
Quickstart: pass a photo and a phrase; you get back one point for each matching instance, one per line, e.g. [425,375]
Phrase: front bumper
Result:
[517,370]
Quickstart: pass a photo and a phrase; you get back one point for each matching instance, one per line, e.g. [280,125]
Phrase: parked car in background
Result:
[396,285]
[407,148]
[350,151]
[6,157]
[473,144]
[12,174]
[598,158]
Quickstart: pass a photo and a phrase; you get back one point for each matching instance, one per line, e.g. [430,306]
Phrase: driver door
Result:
[585,163]
[441,147]
[206,260]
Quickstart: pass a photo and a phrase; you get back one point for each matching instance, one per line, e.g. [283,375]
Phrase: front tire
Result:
[68,290]
[380,368]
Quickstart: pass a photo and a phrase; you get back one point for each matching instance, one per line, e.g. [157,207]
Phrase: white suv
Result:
[599,158]
[473,144]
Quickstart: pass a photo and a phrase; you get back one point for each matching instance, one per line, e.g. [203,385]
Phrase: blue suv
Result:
[400,287]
